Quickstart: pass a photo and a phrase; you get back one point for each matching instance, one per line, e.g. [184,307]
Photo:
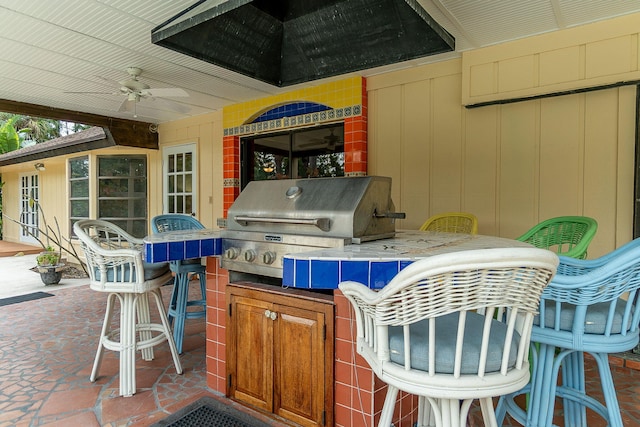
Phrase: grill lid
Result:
[359,208]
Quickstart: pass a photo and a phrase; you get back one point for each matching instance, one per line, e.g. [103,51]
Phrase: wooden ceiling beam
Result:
[125,132]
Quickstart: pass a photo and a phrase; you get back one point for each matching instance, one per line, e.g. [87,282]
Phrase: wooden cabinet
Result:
[280,351]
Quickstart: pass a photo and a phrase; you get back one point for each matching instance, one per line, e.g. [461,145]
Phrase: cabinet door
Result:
[299,365]
[250,354]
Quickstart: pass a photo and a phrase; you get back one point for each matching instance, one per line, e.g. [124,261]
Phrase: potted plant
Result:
[49,266]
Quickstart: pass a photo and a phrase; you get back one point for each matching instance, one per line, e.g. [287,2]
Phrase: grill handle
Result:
[323,224]
[394,215]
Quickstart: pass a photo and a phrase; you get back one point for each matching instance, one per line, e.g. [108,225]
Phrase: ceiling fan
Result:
[328,142]
[136,90]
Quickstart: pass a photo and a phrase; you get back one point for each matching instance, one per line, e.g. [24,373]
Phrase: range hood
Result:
[286,42]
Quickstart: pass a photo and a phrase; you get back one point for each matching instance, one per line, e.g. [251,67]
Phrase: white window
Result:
[30,193]
[78,190]
[179,172]
[122,192]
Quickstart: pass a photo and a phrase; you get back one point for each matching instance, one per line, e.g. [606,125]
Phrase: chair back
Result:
[452,222]
[565,235]
[171,222]
[478,306]
[592,305]
[114,257]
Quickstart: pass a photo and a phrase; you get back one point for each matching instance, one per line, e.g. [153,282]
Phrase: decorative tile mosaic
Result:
[231,182]
[288,110]
[286,122]
[314,99]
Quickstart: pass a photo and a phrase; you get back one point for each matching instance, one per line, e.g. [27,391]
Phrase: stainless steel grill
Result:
[273,218]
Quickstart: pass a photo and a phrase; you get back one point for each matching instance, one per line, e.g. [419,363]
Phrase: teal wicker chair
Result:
[183,271]
[590,306]
[565,235]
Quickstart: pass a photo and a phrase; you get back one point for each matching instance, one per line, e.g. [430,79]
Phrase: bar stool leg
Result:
[128,344]
[179,312]
[108,315]
[167,330]
[144,318]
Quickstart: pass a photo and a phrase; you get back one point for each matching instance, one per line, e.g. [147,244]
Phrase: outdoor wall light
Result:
[39,166]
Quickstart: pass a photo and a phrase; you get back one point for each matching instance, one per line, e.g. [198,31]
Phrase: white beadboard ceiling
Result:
[53,47]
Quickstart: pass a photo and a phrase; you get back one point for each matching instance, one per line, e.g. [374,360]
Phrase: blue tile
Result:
[404,264]
[147,256]
[192,249]
[324,274]
[287,272]
[159,252]
[301,278]
[217,247]
[357,271]
[207,247]
[382,272]
[176,250]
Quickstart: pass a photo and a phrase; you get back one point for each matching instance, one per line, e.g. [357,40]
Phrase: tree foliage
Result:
[17,131]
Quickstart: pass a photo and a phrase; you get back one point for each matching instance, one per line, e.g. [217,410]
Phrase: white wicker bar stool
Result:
[115,266]
[477,306]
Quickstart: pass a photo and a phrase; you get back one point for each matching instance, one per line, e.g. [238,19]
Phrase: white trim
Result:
[181,196]
[31,217]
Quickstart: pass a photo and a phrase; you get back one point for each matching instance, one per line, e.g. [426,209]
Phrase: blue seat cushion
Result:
[595,319]
[151,271]
[446,334]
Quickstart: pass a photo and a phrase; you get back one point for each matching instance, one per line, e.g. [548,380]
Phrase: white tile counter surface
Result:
[376,263]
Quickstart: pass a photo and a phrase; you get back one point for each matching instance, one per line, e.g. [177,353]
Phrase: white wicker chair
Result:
[432,331]
[115,265]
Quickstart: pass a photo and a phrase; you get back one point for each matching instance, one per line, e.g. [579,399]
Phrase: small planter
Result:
[49,267]
[51,275]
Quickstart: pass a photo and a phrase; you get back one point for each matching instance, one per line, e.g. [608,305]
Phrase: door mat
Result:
[23,298]
[210,412]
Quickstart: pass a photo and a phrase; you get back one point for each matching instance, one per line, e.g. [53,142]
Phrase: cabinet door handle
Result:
[270,314]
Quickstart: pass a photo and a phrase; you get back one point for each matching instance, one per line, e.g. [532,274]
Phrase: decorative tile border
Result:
[231,182]
[292,121]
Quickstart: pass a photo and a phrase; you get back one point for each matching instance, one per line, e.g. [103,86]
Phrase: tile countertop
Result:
[376,263]
[182,244]
[371,263]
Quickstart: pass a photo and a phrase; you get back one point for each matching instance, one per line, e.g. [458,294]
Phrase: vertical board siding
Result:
[512,165]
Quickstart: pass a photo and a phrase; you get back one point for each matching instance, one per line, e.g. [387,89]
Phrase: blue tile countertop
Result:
[182,244]
[375,263]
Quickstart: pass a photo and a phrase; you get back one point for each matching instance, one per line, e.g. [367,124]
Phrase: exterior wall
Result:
[513,165]
[584,56]
[54,187]
[206,132]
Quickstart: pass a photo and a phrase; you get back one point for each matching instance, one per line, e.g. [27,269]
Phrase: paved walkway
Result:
[16,277]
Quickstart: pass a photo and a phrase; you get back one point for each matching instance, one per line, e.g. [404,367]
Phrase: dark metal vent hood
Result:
[286,42]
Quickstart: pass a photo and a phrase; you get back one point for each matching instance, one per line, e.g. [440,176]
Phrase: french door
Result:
[180,171]
[30,192]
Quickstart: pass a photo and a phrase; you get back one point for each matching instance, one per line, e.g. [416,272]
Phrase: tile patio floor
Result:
[47,352]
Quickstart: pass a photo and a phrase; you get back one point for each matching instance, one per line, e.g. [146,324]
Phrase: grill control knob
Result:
[249,255]
[269,257]
[232,253]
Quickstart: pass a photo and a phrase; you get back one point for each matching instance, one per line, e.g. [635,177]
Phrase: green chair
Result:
[565,235]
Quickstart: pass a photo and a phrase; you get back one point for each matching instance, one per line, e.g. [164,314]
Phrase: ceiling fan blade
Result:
[165,92]
[172,105]
[126,105]
[96,93]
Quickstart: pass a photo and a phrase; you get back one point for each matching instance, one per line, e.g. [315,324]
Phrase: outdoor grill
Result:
[273,218]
